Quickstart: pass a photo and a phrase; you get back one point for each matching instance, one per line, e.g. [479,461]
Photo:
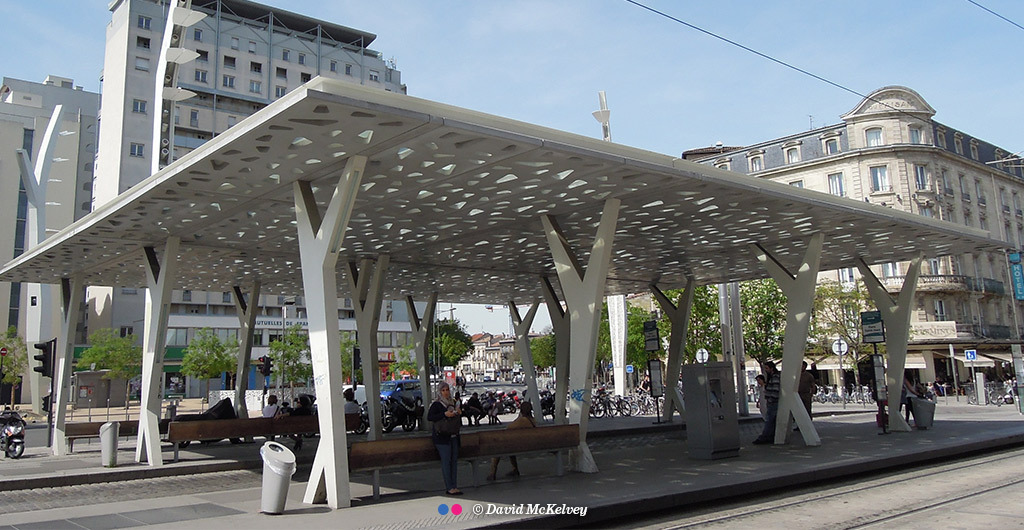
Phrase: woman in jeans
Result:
[446,412]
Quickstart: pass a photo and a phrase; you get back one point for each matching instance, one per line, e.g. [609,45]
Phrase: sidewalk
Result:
[643,467]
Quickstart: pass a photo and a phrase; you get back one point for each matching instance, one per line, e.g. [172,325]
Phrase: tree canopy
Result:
[449,343]
[16,361]
[543,349]
[109,351]
[764,319]
[291,356]
[207,356]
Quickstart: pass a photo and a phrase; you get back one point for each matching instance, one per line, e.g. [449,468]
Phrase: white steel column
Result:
[522,330]
[799,291]
[159,273]
[247,321]
[367,298]
[39,313]
[583,291]
[560,326]
[72,294]
[320,240]
[617,334]
[679,316]
[421,328]
[896,316]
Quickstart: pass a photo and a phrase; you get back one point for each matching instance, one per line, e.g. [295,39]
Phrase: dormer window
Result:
[722,163]
[958,143]
[830,143]
[791,151]
[873,137]
[916,135]
[974,149]
[755,160]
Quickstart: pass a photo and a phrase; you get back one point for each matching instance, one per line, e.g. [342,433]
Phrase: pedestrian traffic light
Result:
[46,402]
[45,357]
[267,367]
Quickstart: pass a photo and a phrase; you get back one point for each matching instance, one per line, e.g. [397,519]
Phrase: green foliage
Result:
[704,329]
[449,343]
[16,361]
[348,342]
[635,352]
[207,356]
[291,356]
[405,361]
[108,351]
[837,309]
[764,319]
[543,349]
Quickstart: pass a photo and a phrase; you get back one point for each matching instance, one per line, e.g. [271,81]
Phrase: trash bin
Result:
[108,443]
[278,468]
[923,411]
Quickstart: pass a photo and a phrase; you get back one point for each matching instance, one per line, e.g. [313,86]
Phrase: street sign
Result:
[840,347]
[651,340]
[3,352]
[972,355]
[702,355]
[629,368]
[1017,275]
[872,327]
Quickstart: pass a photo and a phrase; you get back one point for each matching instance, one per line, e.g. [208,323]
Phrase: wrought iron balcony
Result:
[948,283]
[984,331]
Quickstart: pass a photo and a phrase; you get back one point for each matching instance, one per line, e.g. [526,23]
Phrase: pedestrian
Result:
[524,421]
[272,408]
[446,418]
[760,394]
[351,407]
[807,387]
[908,393]
[474,410]
[305,408]
[772,388]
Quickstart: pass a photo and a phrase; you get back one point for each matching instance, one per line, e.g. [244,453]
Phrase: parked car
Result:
[410,389]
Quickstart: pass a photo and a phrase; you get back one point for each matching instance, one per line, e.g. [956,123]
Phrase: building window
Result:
[920,177]
[756,163]
[129,291]
[880,179]
[933,266]
[201,76]
[915,135]
[204,56]
[145,22]
[797,183]
[947,187]
[958,144]
[252,46]
[193,118]
[348,69]
[229,81]
[374,75]
[835,185]
[982,222]
[940,310]
[890,270]
[282,73]
[722,163]
[974,150]
[792,155]
[139,106]
[142,63]
[831,146]
[304,77]
[334,66]
[927,211]
[302,58]
[186,296]
[197,35]
[873,136]
[137,150]
[232,120]
[940,137]
[229,62]
[256,68]
[846,275]
[234,43]
[286,54]
[279,91]
[142,42]
[226,297]
[126,330]
[255,87]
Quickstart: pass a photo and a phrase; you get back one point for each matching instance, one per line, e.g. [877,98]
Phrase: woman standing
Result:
[445,415]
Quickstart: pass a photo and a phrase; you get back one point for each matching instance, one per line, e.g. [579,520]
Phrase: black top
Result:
[434,415]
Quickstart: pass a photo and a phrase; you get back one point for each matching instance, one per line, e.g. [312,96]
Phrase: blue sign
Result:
[972,355]
[1017,274]
[629,368]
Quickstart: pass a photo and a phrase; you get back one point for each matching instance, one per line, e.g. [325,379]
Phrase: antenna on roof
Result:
[603,115]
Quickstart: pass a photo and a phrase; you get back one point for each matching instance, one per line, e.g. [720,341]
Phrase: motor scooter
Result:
[12,434]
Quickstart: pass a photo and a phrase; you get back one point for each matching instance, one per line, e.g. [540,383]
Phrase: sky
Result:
[670,87]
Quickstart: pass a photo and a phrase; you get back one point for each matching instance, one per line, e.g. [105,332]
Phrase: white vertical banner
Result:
[617,328]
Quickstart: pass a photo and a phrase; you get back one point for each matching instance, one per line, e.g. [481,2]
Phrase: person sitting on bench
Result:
[524,421]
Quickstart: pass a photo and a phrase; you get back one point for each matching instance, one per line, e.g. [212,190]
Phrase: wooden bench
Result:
[475,446]
[91,429]
[207,430]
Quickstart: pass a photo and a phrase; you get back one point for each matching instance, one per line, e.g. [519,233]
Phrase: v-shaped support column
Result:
[560,326]
[72,294]
[583,291]
[367,297]
[320,240]
[421,328]
[522,329]
[799,291]
[247,320]
[896,316]
[679,316]
[159,273]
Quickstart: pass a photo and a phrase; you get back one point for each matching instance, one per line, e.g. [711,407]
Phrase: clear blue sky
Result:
[670,88]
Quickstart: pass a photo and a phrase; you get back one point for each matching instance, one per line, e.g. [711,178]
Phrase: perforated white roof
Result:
[454,197]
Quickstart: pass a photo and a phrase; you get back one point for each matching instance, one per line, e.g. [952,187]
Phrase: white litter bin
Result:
[108,443]
[278,468]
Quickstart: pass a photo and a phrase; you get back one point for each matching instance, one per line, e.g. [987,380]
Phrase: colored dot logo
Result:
[443,509]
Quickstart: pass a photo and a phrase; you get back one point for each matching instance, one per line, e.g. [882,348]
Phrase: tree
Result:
[405,361]
[837,309]
[543,349]
[636,353]
[704,329]
[15,362]
[108,351]
[764,319]
[291,357]
[449,344]
[207,356]
[348,343]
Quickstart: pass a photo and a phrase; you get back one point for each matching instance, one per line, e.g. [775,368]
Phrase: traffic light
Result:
[46,402]
[356,360]
[267,366]
[45,357]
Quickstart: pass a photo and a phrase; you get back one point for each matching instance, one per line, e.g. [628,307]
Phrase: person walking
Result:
[445,416]
[807,387]
[772,388]
[524,421]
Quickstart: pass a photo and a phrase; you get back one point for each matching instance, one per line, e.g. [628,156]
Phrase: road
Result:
[979,492]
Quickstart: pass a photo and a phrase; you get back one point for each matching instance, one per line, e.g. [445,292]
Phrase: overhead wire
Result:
[996,14]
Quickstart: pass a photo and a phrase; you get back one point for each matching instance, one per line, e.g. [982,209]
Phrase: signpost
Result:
[657,384]
[872,327]
[840,347]
[702,355]
[651,340]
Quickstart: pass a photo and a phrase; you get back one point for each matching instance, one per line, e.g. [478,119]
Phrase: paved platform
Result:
[643,467]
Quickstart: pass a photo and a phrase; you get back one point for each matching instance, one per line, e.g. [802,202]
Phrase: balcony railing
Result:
[984,331]
[948,282]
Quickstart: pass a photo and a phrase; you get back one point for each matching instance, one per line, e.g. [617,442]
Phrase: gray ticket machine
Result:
[712,423]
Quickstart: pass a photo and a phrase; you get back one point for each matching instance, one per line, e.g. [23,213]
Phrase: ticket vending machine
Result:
[712,423]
